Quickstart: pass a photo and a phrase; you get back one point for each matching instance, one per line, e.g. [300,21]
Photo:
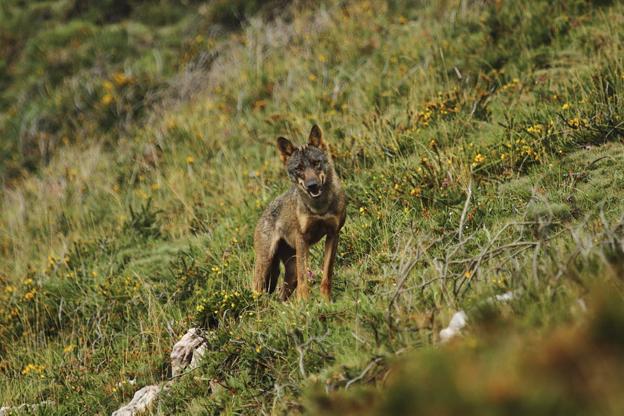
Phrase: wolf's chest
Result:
[315,227]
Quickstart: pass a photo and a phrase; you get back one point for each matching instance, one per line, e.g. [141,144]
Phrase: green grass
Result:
[481,150]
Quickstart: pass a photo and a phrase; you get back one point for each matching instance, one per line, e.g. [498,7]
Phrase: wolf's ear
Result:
[316,137]
[285,147]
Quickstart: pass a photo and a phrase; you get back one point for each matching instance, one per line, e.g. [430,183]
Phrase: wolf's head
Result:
[309,167]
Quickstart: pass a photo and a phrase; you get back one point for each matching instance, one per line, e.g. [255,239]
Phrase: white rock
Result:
[141,401]
[505,297]
[458,321]
[446,334]
[187,352]
[30,408]
[197,356]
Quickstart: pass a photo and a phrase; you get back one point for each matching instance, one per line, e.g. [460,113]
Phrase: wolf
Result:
[313,208]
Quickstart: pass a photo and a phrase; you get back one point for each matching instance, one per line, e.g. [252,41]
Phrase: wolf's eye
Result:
[318,164]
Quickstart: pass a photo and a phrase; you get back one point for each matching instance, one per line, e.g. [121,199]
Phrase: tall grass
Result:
[480,148]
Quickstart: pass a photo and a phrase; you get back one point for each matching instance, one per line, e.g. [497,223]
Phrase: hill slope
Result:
[481,149]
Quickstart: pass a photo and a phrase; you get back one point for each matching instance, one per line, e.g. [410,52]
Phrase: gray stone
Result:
[187,352]
[141,401]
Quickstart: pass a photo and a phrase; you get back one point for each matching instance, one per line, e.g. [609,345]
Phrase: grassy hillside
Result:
[480,145]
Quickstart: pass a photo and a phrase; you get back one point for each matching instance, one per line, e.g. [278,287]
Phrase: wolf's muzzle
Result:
[313,187]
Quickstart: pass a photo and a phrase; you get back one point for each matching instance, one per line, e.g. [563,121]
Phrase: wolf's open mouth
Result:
[316,193]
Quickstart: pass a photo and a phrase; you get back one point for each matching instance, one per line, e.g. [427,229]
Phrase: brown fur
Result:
[298,219]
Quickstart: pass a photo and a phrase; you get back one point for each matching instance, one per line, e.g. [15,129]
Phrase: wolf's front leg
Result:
[331,244]
[302,266]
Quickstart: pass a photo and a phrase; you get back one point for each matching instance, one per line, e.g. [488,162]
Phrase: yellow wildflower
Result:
[577,122]
[106,99]
[120,78]
[33,368]
[478,159]
[536,129]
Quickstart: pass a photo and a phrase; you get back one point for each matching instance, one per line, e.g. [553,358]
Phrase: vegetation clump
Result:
[480,146]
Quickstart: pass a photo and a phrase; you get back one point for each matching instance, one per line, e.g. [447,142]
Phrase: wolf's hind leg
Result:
[266,269]
[290,272]
[266,273]
[270,282]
